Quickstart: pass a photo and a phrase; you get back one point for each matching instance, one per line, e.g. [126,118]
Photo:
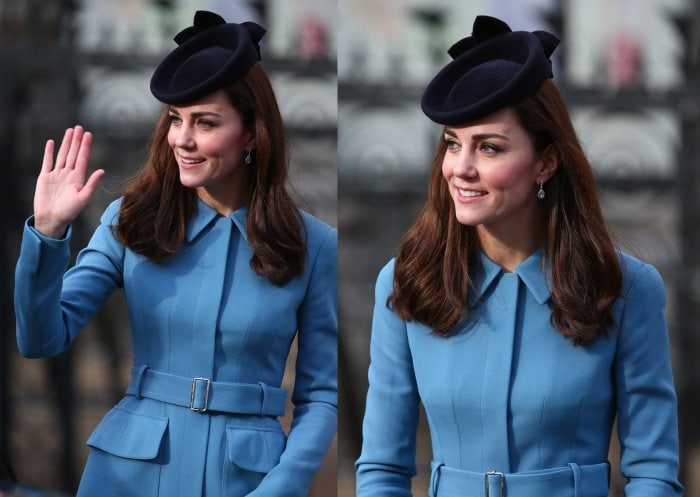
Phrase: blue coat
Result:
[204,313]
[509,393]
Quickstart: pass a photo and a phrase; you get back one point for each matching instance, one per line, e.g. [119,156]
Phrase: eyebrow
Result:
[451,132]
[477,137]
[197,114]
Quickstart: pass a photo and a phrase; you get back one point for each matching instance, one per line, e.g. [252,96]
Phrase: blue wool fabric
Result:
[507,392]
[203,313]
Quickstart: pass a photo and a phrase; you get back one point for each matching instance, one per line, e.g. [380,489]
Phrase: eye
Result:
[174,119]
[451,143]
[490,148]
[206,124]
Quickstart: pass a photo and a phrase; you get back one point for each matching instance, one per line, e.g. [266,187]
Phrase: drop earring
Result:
[540,192]
[249,157]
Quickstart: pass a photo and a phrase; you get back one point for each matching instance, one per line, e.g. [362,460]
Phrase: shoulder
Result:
[640,278]
[111,213]
[385,282]
[321,238]
[643,292]
[315,228]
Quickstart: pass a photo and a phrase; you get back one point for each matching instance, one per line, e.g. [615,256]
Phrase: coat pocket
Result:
[255,449]
[130,435]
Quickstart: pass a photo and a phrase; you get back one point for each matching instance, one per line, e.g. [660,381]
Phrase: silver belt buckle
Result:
[486,482]
[206,394]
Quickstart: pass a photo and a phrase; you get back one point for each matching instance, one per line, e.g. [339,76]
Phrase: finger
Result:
[47,163]
[63,150]
[91,185]
[74,147]
[84,153]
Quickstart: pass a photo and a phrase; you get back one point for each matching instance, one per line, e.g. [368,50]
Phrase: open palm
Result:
[61,190]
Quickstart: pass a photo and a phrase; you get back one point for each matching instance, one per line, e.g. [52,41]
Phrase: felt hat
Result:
[493,68]
[210,55]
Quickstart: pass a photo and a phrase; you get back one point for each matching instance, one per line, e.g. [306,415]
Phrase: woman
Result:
[508,312]
[219,269]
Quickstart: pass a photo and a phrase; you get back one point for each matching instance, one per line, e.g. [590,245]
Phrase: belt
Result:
[569,481]
[204,395]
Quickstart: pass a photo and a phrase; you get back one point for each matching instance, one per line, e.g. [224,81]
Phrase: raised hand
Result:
[61,190]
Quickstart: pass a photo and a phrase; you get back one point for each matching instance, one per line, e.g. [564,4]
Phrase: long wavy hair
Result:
[437,257]
[156,206]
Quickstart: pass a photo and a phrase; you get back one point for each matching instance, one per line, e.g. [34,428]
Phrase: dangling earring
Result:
[249,157]
[540,192]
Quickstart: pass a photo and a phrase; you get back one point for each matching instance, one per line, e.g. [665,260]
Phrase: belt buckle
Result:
[500,475]
[195,381]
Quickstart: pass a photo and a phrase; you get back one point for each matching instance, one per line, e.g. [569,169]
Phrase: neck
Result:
[228,194]
[509,247]
[223,204]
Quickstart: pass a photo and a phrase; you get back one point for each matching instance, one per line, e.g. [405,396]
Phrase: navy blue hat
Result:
[210,55]
[493,68]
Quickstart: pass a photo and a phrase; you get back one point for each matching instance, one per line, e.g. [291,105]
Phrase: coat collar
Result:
[205,215]
[529,271]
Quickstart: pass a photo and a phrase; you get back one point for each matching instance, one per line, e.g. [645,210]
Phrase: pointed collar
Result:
[536,277]
[205,215]
[530,271]
[487,273]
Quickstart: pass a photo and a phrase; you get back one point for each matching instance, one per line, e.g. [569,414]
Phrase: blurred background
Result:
[629,72]
[64,62]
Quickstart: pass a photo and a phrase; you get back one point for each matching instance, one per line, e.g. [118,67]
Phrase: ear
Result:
[548,163]
[250,141]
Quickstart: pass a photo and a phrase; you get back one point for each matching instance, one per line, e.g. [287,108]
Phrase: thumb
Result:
[91,185]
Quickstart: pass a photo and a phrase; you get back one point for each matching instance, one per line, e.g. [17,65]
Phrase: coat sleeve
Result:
[315,395]
[647,421]
[387,462]
[53,305]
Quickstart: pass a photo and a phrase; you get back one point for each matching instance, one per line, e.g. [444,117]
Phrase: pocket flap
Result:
[128,434]
[255,449]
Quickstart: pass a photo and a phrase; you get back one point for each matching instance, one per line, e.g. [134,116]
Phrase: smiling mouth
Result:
[191,162]
[470,193]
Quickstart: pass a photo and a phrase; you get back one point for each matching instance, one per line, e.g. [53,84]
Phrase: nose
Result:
[464,166]
[183,137]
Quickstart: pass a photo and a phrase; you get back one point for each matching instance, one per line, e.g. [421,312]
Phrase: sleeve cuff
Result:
[29,227]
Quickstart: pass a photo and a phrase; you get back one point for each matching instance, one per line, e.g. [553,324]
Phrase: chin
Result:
[467,221]
[188,179]
[467,218]
[188,183]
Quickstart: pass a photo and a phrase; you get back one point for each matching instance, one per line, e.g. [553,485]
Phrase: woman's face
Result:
[210,141]
[492,172]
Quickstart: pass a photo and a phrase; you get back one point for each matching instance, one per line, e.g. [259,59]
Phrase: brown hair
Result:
[156,206]
[436,259]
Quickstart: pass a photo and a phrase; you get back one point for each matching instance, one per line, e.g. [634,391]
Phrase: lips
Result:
[191,161]
[470,193]
[188,162]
